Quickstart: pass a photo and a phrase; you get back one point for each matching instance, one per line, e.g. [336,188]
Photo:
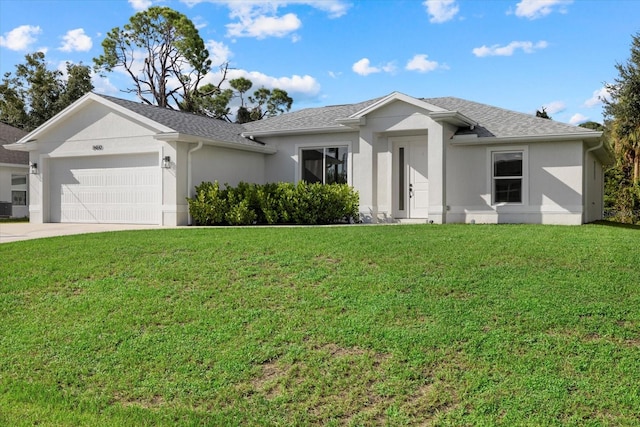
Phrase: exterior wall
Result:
[227,166]
[594,189]
[552,186]
[6,171]
[92,131]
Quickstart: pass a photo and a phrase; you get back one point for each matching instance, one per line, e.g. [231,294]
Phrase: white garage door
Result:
[106,189]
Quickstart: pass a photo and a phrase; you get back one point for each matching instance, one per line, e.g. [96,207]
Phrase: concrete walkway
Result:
[15,231]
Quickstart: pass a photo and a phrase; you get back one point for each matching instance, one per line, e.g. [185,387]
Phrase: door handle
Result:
[410,190]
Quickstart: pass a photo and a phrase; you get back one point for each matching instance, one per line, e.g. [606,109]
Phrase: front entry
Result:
[410,179]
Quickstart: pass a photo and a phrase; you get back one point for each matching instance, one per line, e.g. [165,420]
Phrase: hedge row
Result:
[276,203]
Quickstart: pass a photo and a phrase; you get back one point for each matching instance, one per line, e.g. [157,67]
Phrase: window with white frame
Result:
[507,176]
[326,165]
[19,190]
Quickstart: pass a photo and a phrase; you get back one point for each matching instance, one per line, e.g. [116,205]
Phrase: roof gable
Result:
[165,122]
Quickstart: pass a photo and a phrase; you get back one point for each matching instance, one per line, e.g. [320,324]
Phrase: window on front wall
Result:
[19,190]
[507,177]
[327,165]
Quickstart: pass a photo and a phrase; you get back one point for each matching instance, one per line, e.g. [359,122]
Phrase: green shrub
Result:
[240,213]
[274,203]
[208,207]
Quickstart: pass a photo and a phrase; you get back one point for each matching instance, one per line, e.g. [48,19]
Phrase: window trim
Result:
[525,174]
[20,188]
[297,157]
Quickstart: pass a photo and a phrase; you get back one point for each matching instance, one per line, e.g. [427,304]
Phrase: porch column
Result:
[364,175]
[437,173]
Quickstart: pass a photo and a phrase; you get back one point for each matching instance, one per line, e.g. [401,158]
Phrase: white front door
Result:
[410,178]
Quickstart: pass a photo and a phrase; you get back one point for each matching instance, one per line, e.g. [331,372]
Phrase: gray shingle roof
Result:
[188,123]
[9,135]
[309,118]
[499,122]
[492,121]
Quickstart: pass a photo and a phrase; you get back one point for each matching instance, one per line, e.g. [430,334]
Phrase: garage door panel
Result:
[102,190]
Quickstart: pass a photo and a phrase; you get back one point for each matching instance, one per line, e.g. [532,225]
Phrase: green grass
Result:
[23,219]
[396,325]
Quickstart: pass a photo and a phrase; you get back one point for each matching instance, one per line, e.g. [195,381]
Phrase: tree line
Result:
[622,132]
[170,75]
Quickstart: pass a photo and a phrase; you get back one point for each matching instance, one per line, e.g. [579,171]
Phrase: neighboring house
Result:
[109,160]
[14,168]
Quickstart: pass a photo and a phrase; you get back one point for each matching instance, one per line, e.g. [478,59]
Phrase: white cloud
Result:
[421,64]
[534,9]
[140,5]
[334,8]
[578,118]
[508,50]
[103,85]
[261,27]
[441,10]
[364,68]
[20,38]
[389,67]
[76,41]
[303,86]
[260,18]
[597,97]
[335,75]
[555,107]
[219,53]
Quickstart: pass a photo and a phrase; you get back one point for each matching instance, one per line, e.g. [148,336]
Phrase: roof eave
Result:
[22,146]
[303,131]
[454,117]
[353,122]
[14,165]
[179,137]
[469,140]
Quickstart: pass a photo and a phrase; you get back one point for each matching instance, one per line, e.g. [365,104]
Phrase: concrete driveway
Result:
[15,231]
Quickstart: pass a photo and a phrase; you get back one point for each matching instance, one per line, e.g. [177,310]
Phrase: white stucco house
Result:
[14,174]
[440,160]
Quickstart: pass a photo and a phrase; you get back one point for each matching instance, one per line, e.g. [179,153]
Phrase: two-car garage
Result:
[106,189]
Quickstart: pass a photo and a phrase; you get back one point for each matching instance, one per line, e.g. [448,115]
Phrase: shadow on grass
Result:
[617,224]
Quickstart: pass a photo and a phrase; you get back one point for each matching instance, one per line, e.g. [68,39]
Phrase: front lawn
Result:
[396,325]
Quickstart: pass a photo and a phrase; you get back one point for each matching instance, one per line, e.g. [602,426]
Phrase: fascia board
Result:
[305,131]
[178,137]
[454,117]
[22,146]
[354,122]
[529,138]
[14,165]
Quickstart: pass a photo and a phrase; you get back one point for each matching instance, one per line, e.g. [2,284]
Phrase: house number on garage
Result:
[98,148]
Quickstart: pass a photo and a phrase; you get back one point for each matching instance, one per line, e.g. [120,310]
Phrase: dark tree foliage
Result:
[543,114]
[175,58]
[622,115]
[34,94]
[214,102]
[622,111]
[174,66]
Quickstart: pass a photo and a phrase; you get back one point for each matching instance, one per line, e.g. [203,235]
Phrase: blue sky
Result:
[517,54]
